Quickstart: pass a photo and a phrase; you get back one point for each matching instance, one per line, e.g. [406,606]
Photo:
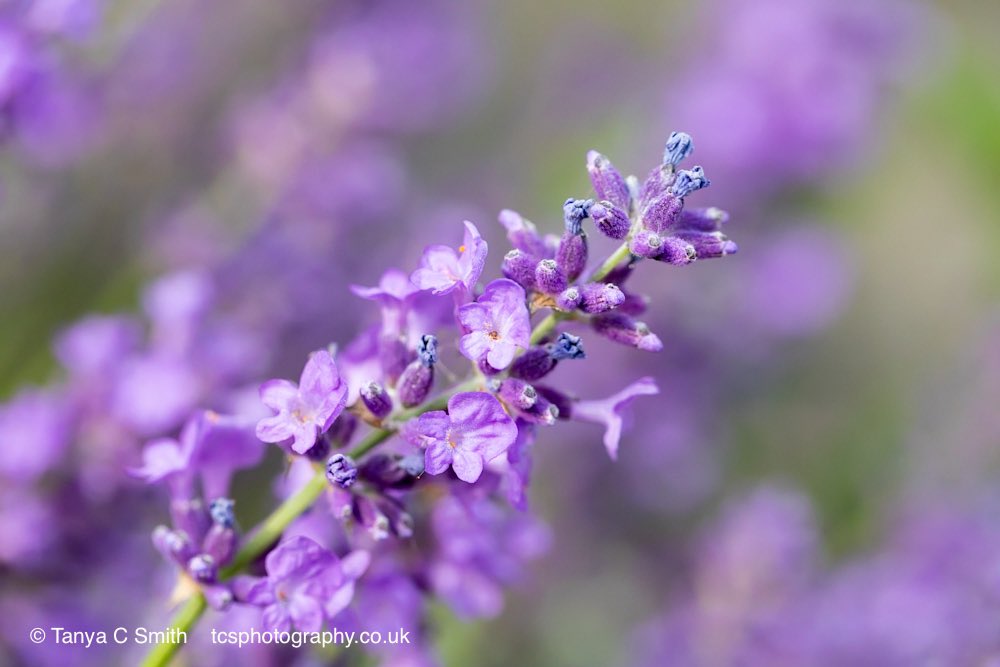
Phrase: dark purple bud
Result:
[376,399]
[646,244]
[568,299]
[572,254]
[549,277]
[542,412]
[222,511]
[203,569]
[522,233]
[566,346]
[679,146]
[626,331]
[535,363]
[677,251]
[413,464]
[702,219]
[340,433]
[320,449]
[415,384]
[220,544]
[562,402]
[372,518]
[191,517]
[634,304]
[662,213]
[400,521]
[388,471]
[689,180]
[517,393]
[709,244]
[608,182]
[173,544]
[340,470]
[393,355]
[610,219]
[600,297]
[519,266]
[427,350]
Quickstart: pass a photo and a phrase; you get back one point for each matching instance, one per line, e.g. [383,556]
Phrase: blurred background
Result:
[829,395]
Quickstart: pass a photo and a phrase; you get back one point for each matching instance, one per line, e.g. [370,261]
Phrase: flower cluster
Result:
[453,452]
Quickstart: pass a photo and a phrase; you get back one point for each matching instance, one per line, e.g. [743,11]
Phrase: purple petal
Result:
[610,411]
[276,617]
[275,429]
[501,354]
[306,613]
[253,590]
[342,597]
[428,428]
[161,458]
[468,465]
[355,563]
[278,394]
[472,256]
[439,270]
[437,457]
[319,377]
[486,428]
[293,556]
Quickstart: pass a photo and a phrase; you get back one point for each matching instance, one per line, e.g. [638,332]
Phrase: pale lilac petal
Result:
[275,429]
[472,257]
[426,429]
[304,437]
[161,458]
[253,590]
[475,317]
[486,427]
[340,599]
[293,555]
[437,457]
[475,346]
[468,465]
[610,411]
[278,394]
[439,270]
[306,613]
[319,377]
[501,354]
[355,563]
[276,617]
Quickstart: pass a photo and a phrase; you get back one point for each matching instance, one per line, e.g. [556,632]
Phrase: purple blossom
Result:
[444,269]
[395,293]
[33,434]
[305,585]
[305,410]
[611,411]
[497,324]
[474,431]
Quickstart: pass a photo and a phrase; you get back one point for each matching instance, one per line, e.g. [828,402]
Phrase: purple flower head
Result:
[519,266]
[550,277]
[611,411]
[394,294]
[211,446]
[444,269]
[474,431]
[679,147]
[305,585]
[608,182]
[498,323]
[305,410]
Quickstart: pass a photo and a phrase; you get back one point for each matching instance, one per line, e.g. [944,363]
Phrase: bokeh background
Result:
[826,438]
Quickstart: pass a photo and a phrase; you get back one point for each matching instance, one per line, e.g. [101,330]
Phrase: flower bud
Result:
[222,511]
[522,233]
[376,399]
[549,277]
[341,470]
[173,544]
[702,219]
[562,402]
[517,393]
[646,244]
[709,244]
[191,517]
[393,356]
[571,256]
[689,180]
[600,297]
[220,544]
[203,568]
[610,219]
[566,346]
[662,213]
[679,146]
[677,251]
[568,299]
[608,182]
[535,363]
[389,471]
[624,330]
[519,266]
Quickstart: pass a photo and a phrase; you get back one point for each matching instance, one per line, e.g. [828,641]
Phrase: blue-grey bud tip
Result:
[689,180]
[223,512]
[679,146]
[574,212]
[427,350]
[567,346]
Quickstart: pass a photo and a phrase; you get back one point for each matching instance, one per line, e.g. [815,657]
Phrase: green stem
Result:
[616,258]
[186,616]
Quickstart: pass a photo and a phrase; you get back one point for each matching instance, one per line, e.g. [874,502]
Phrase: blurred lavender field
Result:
[194,196]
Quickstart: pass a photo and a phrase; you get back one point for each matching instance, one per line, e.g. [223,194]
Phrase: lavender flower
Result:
[443,269]
[610,412]
[497,324]
[305,410]
[474,431]
[305,585]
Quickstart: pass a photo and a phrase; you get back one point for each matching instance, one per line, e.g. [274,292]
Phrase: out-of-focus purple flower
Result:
[96,344]
[497,324]
[155,393]
[610,412]
[394,294]
[305,585]
[305,410]
[474,431]
[444,269]
[33,432]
